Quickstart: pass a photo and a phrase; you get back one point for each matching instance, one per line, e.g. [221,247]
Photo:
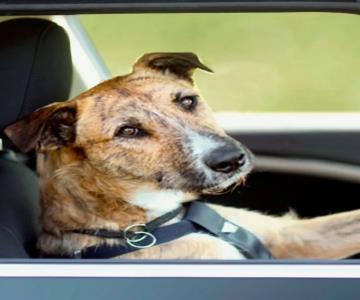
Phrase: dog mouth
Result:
[227,185]
[202,184]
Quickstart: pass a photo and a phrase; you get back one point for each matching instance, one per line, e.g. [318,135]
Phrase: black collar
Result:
[198,217]
[132,230]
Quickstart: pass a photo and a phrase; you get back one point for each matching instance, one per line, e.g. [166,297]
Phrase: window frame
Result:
[174,6]
[36,268]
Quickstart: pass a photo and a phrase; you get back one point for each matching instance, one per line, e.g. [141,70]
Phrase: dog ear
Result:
[179,64]
[47,128]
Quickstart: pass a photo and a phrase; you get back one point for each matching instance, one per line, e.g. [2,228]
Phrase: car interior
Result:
[320,173]
[36,68]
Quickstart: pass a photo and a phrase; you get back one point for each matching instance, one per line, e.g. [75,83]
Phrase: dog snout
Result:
[226,159]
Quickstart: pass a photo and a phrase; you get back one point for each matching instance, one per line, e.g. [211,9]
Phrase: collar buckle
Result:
[77,254]
[136,239]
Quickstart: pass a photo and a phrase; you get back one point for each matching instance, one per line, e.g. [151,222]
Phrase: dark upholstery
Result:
[18,210]
[35,70]
[35,67]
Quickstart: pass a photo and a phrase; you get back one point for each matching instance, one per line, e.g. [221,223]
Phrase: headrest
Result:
[35,67]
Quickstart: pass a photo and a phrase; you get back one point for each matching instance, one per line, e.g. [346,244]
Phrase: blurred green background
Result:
[262,62]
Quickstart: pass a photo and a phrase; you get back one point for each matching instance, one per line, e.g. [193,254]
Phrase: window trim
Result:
[194,269]
[237,122]
[176,6]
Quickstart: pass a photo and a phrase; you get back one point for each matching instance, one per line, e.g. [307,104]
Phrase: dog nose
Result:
[225,159]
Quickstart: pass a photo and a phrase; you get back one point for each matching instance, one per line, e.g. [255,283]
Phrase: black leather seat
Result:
[35,70]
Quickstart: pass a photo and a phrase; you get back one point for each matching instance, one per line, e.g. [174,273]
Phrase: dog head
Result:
[150,126]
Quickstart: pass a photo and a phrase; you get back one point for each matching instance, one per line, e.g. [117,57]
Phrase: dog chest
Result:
[212,247]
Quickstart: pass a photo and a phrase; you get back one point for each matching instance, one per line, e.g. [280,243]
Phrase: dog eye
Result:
[188,102]
[128,131]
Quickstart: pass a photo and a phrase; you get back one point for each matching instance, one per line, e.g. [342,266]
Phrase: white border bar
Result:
[179,270]
[288,122]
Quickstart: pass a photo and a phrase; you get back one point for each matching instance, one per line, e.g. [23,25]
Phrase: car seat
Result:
[35,70]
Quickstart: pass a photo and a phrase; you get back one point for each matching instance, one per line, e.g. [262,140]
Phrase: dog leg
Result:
[328,237]
[192,246]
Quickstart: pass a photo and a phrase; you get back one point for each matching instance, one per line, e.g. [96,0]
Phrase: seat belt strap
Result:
[210,220]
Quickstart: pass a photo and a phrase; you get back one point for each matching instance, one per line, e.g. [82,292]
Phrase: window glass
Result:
[262,61]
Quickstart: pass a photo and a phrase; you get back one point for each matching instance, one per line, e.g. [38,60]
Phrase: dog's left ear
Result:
[179,64]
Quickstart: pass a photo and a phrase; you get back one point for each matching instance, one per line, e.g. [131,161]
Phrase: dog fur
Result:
[94,175]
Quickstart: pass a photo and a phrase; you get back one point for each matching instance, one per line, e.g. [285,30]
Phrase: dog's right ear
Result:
[48,128]
[180,64]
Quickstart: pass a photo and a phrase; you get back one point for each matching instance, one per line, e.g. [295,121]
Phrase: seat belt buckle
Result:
[229,227]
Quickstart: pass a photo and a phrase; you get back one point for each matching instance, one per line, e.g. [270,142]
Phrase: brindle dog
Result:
[139,145]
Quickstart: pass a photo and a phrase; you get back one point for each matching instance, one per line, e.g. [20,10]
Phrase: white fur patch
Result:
[199,147]
[158,202]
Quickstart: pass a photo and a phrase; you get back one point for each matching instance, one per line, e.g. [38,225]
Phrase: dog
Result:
[138,146]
